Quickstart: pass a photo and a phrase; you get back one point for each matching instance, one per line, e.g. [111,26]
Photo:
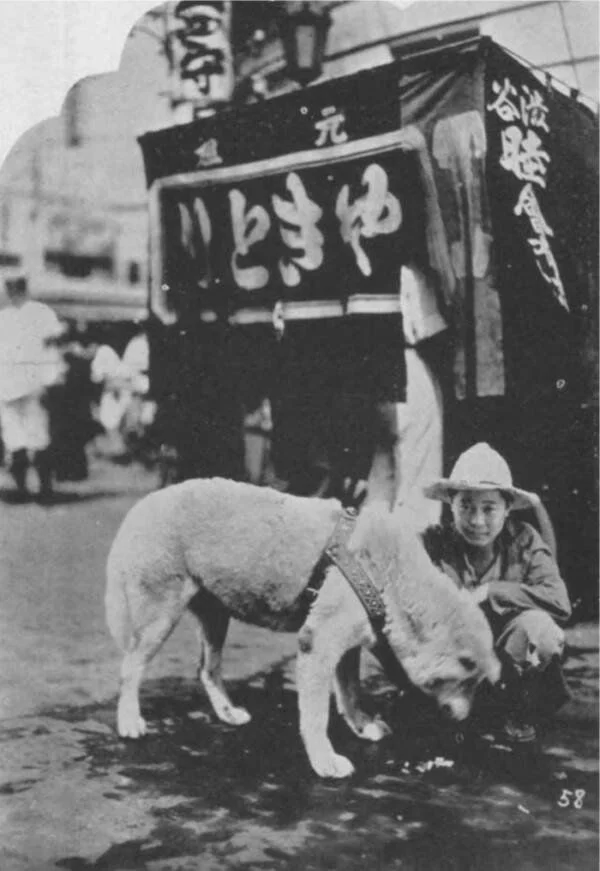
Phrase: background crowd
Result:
[67,390]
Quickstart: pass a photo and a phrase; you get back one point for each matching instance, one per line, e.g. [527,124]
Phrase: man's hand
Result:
[480,593]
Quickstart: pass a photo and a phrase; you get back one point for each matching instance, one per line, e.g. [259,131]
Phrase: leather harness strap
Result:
[336,552]
[356,575]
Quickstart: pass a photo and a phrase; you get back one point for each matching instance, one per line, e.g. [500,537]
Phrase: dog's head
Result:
[448,659]
[437,633]
[452,682]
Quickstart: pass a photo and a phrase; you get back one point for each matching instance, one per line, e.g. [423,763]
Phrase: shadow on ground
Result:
[215,797]
[60,497]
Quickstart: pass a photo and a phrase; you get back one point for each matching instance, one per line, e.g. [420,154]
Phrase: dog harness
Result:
[336,552]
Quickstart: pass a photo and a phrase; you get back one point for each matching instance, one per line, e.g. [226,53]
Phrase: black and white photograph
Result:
[299,533]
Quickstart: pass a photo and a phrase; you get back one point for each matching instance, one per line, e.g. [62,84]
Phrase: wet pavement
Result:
[196,795]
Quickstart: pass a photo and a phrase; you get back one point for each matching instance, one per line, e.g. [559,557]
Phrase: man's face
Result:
[479,516]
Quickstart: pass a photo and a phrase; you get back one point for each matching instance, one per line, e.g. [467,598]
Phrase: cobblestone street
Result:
[196,795]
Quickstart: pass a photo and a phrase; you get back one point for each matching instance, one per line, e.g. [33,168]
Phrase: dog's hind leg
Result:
[347,694]
[152,625]
[213,618]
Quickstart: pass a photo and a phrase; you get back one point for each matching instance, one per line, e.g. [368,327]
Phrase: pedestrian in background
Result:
[30,363]
[111,398]
[140,410]
[72,425]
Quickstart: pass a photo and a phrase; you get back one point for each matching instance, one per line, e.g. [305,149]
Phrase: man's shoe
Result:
[518,732]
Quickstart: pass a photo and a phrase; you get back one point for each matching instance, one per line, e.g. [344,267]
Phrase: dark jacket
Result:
[525,575]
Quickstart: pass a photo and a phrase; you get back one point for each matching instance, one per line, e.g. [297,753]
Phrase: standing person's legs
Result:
[14,436]
[37,429]
[18,467]
[420,440]
[380,343]
[42,461]
[384,476]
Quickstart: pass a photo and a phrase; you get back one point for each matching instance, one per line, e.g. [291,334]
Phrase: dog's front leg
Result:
[337,623]
[315,668]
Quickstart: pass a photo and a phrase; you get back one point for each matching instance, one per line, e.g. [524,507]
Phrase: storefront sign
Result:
[322,234]
[311,201]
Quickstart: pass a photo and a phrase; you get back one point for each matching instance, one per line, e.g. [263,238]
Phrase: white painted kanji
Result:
[249,227]
[504,106]
[194,219]
[528,205]
[298,219]
[534,112]
[375,213]
[331,130]
[526,106]
[523,155]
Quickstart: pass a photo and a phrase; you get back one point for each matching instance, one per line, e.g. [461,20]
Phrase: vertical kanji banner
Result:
[201,53]
[543,198]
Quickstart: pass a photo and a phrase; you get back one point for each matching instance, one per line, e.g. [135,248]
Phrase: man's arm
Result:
[541,586]
[546,528]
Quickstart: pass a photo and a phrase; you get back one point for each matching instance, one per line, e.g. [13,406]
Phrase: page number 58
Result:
[571,798]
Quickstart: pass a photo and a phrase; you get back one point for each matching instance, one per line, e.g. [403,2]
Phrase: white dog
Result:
[222,548]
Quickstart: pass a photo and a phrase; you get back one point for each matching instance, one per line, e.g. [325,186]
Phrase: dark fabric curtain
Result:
[446,102]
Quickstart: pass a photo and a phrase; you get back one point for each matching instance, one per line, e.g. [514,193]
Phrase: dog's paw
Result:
[375,730]
[131,727]
[234,716]
[333,766]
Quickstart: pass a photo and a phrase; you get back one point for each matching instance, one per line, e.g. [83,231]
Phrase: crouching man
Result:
[512,574]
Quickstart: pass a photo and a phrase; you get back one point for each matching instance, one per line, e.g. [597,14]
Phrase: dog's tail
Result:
[116,605]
